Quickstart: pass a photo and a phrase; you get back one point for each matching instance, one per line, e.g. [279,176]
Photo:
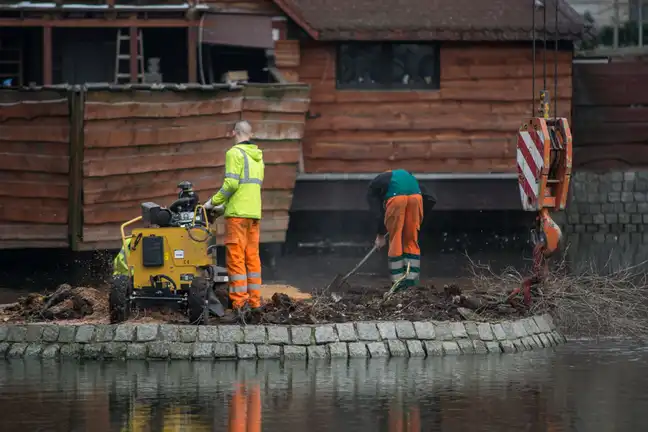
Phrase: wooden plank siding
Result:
[34,166]
[287,58]
[469,125]
[139,145]
[611,115]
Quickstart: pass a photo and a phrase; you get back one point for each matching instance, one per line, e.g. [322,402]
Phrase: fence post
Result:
[75,199]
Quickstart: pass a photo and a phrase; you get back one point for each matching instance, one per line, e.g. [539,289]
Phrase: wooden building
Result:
[436,87]
[45,43]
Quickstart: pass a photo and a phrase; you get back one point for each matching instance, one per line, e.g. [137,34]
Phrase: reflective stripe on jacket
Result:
[241,190]
[120,266]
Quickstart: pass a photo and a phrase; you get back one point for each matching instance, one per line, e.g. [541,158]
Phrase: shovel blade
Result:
[335,284]
[338,284]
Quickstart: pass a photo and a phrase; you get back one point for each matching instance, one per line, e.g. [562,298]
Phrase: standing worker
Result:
[240,200]
[396,198]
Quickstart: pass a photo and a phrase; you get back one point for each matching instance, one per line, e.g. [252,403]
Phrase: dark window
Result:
[388,66]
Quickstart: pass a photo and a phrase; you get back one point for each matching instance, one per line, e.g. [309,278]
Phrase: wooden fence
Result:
[124,146]
[610,115]
[34,166]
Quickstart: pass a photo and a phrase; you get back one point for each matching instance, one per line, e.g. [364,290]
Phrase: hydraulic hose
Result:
[168,279]
[201,228]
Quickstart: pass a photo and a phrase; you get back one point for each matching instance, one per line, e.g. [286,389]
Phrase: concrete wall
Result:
[606,222]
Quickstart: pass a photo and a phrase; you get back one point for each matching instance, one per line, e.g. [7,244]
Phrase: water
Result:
[579,387]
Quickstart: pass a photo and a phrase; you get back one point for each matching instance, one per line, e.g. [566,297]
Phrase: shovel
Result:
[340,280]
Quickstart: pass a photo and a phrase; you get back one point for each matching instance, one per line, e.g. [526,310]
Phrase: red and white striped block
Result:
[530,162]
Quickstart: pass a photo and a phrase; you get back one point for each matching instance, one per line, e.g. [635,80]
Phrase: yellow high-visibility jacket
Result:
[241,190]
[120,266]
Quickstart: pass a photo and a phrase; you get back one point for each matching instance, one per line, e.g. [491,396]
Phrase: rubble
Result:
[371,304]
[284,305]
[66,303]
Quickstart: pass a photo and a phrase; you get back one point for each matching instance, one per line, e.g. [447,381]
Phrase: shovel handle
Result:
[364,260]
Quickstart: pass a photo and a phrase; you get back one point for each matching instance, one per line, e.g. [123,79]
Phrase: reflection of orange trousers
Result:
[245,411]
[403,217]
[411,422]
[243,262]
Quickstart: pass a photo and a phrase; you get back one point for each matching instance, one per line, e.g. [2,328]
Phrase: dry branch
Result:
[590,303]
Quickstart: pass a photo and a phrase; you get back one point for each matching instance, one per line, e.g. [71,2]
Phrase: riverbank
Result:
[342,340]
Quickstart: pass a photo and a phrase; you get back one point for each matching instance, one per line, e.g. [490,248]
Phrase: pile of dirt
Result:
[362,304]
[66,303]
[284,305]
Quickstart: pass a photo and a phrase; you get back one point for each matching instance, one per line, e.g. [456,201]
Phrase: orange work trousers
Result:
[403,217]
[245,410]
[243,261]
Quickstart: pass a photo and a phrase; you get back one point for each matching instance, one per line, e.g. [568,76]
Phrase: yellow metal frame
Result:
[188,254]
[123,228]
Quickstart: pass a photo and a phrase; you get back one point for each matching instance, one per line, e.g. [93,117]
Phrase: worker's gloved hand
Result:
[218,210]
[380,241]
[208,205]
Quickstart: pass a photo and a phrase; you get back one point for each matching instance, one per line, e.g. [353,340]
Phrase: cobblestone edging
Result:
[359,339]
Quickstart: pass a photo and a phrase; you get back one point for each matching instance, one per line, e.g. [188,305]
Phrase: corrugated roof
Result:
[431,19]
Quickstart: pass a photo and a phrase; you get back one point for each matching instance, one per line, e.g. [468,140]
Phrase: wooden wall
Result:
[469,125]
[138,145]
[611,115]
[34,165]
[76,164]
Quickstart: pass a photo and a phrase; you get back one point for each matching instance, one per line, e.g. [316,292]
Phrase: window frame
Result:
[391,87]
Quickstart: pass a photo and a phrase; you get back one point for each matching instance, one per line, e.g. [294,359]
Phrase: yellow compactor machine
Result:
[170,260]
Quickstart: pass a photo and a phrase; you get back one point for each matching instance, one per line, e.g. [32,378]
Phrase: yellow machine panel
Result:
[178,253]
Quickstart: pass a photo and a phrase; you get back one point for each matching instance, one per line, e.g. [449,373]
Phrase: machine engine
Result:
[170,259]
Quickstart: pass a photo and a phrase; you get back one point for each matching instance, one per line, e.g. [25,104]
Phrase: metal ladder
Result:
[123,35]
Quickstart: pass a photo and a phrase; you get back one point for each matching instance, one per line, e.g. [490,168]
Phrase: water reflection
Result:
[580,388]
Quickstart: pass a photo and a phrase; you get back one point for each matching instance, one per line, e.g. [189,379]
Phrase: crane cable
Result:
[544,55]
[556,63]
[533,60]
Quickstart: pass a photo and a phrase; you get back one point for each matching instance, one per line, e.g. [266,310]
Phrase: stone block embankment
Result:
[355,339]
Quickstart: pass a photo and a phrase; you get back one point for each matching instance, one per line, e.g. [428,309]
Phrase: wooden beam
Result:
[92,23]
[134,51]
[47,55]
[192,47]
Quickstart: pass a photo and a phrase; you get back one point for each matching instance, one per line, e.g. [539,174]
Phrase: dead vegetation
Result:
[590,303]
[66,303]
[371,304]
[285,305]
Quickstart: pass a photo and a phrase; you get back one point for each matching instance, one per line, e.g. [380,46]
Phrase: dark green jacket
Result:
[390,184]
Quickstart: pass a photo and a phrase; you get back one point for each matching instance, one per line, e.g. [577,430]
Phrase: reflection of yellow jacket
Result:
[176,419]
[245,412]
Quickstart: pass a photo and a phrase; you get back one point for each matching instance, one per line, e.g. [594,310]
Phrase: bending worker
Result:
[240,200]
[396,198]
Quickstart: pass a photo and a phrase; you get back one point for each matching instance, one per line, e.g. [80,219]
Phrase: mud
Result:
[370,304]
[283,304]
